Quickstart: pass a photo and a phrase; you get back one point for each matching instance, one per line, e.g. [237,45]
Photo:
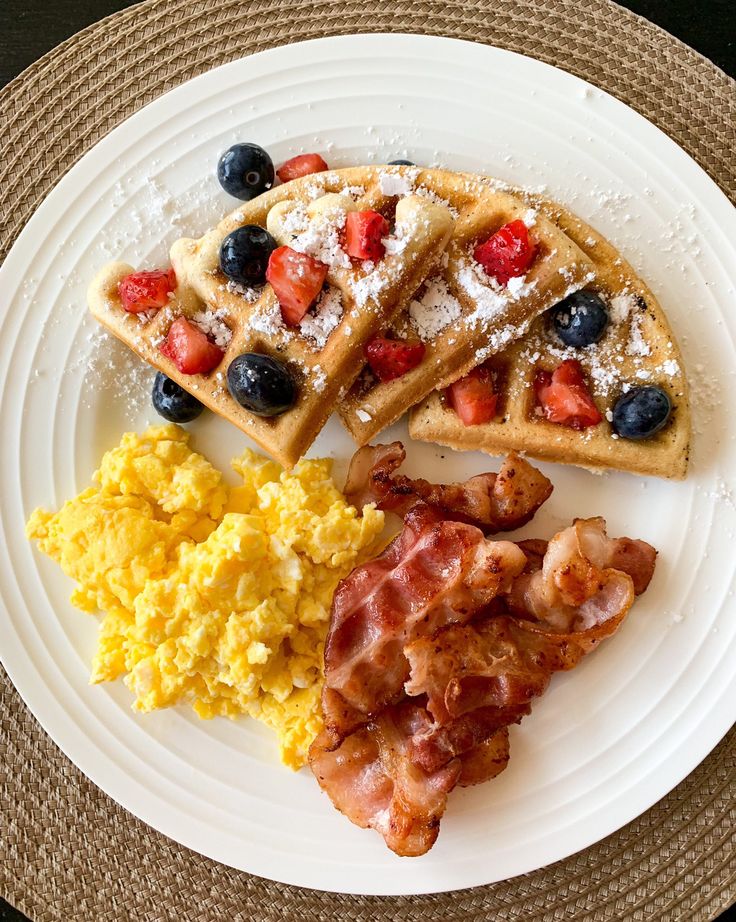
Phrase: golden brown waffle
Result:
[461,315]
[637,348]
[325,353]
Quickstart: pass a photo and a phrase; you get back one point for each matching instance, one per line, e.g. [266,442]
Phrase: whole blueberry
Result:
[401,163]
[261,384]
[245,252]
[245,170]
[641,412]
[172,402]
[581,319]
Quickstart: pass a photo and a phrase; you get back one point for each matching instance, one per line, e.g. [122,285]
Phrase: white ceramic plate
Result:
[609,739]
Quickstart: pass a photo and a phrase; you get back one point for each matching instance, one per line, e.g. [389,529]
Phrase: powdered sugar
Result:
[637,345]
[395,184]
[318,326]
[318,236]
[435,310]
[490,302]
[363,416]
[268,320]
[212,324]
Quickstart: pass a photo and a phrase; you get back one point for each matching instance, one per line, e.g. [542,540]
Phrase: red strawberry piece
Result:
[297,280]
[565,397]
[507,253]
[472,397]
[363,233]
[302,165]
[392,358]
[190,349]
[145,291]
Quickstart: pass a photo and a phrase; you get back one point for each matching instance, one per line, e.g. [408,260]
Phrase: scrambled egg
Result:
[211,595]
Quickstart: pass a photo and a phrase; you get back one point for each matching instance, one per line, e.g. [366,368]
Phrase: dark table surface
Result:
[30,28]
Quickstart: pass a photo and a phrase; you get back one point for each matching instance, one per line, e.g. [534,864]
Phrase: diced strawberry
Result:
[565,397]
[507,253]
[392,358]
[363,233]
[301,165]
[145,291]
[472,397]
[297,280]
[190,349]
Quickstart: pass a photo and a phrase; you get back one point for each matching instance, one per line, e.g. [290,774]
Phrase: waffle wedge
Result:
[463,316]
[638,348]
[325,352]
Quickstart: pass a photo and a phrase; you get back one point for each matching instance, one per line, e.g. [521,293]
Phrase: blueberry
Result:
[581,319]
[173,402]
[244,254]
[401,163]
[641,412]
[261,384]
[245,170]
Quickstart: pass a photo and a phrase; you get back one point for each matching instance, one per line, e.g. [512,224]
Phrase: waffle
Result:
[637,348]
[461,315]
[325,353]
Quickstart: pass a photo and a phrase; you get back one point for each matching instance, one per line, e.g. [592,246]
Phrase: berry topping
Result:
[508,253]
[641,412]
[244,254]
[302,165]
[189,349]
[261,384]
[145,291]
[401,163]
[564,396]
[172,402]
[297,280]
[245,170]
[392,358]
[581,319]
[363,233]
[472,397]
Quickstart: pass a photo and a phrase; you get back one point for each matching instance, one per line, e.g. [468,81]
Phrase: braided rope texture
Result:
[67,850]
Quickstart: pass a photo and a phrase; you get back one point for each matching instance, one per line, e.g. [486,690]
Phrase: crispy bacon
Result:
[493,502]
[371,780]
[485,761]
[577,586]
[471,631]
[434,573]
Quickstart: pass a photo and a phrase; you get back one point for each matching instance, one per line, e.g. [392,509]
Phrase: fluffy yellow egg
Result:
[212,595]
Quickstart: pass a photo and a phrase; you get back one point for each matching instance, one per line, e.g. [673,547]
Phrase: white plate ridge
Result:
[607,740]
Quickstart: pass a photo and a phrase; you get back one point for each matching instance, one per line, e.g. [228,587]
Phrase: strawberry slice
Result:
[507,253]
[145,291]
[297,280]
[363,233]
[565,397]
[472,397]
[190,349]
[392,358]
[302,165]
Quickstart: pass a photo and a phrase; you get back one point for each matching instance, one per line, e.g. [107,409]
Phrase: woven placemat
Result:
[67,851]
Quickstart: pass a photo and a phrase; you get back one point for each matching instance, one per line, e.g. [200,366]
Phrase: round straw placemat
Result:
[67,850]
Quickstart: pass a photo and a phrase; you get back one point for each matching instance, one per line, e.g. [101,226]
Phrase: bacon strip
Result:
[577,586]
[369,778]
[474,630]
[493,502]
[433,574]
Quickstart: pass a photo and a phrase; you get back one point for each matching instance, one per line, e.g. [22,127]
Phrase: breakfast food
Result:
[440,644]
[213,596]
[598,381]
[492,502]
[268,326]
[505,264]
[511,327]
